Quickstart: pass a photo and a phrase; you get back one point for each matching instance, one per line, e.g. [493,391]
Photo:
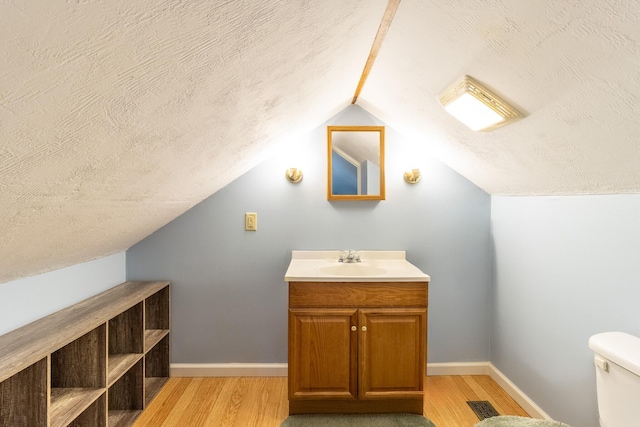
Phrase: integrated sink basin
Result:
[353,269]
[375,266]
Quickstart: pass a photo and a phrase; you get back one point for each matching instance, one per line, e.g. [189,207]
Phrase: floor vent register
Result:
[483,409]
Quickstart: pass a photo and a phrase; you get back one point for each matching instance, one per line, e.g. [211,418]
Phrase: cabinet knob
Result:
[364,329]
[353,328]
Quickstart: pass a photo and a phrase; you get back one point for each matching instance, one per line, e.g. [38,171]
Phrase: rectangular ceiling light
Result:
[476,106]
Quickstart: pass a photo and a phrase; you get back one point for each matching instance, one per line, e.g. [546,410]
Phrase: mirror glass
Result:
[356,163]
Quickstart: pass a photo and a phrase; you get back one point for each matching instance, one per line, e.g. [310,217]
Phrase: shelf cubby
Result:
[126,341]
[94,416]
[126,396]
[156,323]
[67,404]
[156,310]
[156,368]
[78,376]
[23,397]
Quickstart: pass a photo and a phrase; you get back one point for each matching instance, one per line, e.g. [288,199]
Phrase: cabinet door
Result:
[392,352]
[322,354]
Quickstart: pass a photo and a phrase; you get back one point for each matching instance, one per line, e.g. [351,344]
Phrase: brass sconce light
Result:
[412,176]
[294,175]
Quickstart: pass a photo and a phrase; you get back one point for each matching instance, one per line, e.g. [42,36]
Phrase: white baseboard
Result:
[458,368]
[228,370]
[518,395]
[280,369]
[433,369]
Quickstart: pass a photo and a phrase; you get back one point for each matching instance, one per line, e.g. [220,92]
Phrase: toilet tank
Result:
[617,363]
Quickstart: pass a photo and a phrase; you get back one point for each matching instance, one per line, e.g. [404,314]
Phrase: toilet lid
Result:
[618,347]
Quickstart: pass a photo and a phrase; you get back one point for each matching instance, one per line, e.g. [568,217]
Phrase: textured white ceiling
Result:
[573,68]
[118,116]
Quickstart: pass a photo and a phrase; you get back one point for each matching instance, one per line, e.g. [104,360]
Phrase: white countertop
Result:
[375,266]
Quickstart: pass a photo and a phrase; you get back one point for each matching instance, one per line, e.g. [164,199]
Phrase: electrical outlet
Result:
[251,221]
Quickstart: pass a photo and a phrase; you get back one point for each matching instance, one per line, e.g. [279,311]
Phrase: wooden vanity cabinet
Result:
[357,347]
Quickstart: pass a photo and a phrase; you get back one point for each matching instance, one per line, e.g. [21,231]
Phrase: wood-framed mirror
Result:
[355,163]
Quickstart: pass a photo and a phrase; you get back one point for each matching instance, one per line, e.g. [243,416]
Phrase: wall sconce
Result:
[476,106]
[412,176]
[294,175]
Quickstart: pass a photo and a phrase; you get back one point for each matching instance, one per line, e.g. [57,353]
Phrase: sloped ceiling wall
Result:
[573,68]
[116,117]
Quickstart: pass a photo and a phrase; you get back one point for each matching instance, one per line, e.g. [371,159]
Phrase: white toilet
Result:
[617,378]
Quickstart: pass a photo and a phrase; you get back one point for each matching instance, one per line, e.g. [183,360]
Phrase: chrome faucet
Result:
[351,256]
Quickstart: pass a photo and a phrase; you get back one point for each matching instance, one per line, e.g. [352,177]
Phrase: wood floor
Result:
[262,402]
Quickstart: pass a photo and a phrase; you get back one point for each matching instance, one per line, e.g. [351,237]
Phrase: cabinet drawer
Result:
[355,294]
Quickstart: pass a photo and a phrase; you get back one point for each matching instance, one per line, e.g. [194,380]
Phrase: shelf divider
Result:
[153,337]
[119,364]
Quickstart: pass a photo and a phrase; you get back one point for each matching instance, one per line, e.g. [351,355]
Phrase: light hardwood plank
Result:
[445,404]
[195,404]
[202,403]
[255,406]
[262,402]
[228,409]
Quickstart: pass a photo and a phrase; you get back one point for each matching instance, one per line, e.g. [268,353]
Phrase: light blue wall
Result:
[229,298]
[24,300]
[520,281]
[565,269]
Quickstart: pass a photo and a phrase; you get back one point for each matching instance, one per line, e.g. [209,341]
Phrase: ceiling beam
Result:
[389,13]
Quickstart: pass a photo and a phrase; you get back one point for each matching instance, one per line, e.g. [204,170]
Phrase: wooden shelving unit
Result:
[97,363]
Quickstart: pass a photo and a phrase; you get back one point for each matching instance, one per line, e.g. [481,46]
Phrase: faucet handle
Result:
[349,256]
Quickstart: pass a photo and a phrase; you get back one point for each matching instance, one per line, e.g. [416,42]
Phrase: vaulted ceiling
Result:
[118,116]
